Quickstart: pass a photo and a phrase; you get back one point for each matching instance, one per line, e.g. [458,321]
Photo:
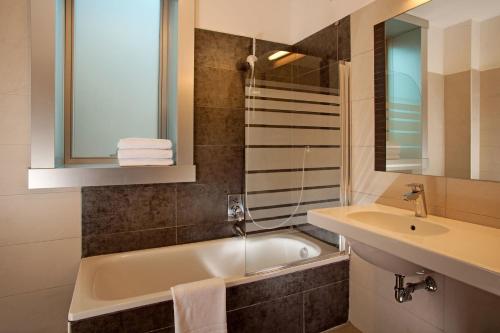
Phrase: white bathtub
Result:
[121,281]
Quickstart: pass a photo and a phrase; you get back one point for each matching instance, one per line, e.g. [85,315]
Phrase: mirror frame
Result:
[380,90]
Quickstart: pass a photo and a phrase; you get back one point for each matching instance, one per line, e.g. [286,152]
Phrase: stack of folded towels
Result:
[143,151]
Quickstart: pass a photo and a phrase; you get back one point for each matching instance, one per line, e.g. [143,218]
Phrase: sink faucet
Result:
[417,195]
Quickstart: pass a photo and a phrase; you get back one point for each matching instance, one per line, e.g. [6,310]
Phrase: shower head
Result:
[251,60]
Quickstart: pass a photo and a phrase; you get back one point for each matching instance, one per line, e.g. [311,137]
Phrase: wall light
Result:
[278,54]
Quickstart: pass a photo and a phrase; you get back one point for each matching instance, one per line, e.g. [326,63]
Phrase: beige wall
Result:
[457,125]
[456,307]
[435,124]
[39,231]
[490,124]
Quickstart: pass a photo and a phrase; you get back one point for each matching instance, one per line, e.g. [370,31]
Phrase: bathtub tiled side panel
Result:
[278,315]
[138,320]
[309,301]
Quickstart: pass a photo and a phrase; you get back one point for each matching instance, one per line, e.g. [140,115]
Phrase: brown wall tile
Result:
[326,307]
[124,218]
[322,44]
[127,241]
[220,50]
[112,209]
[219,126]
[219,88]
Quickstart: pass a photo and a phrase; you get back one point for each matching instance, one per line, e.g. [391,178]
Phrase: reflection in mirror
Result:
[437,91]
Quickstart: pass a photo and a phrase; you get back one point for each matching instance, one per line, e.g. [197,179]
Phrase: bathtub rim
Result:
[163,296]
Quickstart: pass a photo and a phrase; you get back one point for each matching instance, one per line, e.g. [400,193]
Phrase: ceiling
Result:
[444,13]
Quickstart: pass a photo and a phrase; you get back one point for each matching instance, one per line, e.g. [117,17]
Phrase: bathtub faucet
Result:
[238,230]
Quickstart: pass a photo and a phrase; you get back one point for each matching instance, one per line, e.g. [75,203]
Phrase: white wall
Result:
[489,45]
[282,21]
[435,50]
[39,230]
[262,19]
[456,307]
[457,48]
[307,18]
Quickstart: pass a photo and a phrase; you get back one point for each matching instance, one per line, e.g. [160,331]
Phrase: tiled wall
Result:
[39,230]
[456,307]
[124,218]
[309,301]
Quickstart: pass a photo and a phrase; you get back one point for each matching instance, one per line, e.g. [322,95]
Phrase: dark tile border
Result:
[380,97]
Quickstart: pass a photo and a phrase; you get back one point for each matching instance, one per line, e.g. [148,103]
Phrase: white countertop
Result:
[464,251]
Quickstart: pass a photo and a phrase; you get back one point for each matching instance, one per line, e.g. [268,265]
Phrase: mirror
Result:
[437,90]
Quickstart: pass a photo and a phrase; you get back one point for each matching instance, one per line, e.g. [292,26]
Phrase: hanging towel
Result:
[144,161]
[200,307]
[145,153]
[144,143]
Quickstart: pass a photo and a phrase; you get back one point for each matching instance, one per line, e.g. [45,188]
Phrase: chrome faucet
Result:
[417,195]
[238,216]
[238,230]
[236,213]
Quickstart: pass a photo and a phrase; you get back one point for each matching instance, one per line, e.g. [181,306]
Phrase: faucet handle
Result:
[416,187]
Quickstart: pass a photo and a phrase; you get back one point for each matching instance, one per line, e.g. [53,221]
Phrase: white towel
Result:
[145,153]
[200,307]
[144,143]
[144,161]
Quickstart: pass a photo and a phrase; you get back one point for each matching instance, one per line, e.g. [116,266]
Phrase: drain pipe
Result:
[403,293]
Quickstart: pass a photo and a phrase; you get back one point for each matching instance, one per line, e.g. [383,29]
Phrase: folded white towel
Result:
[200,306]
[144,161]
[144,143]
[145,153]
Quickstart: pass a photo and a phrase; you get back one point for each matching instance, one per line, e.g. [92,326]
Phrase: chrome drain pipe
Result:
[402,292]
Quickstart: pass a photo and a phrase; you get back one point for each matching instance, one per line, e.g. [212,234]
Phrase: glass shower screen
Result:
[293,159]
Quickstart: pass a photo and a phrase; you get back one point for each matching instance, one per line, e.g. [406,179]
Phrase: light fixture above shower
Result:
[277,55]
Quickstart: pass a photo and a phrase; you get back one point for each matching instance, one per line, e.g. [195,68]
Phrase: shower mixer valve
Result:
[235,208]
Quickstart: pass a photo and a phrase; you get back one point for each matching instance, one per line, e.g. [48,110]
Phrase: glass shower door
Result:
[293,159]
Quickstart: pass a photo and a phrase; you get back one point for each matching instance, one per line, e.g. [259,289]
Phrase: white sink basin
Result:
[395,240]
[395,223]
[399,223]
[385,260]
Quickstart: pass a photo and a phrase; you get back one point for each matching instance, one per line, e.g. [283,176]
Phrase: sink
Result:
[385,260]
[398,223]
[397,241]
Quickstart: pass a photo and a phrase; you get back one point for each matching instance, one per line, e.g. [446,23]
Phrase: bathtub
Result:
[116,282]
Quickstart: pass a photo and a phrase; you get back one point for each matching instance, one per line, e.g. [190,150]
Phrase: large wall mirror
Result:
[437,90]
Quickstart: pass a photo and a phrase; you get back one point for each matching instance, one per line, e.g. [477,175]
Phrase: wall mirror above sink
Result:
[437,91]
[86,95]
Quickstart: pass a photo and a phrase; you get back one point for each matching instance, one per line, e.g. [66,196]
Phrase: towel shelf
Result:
[97,175]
